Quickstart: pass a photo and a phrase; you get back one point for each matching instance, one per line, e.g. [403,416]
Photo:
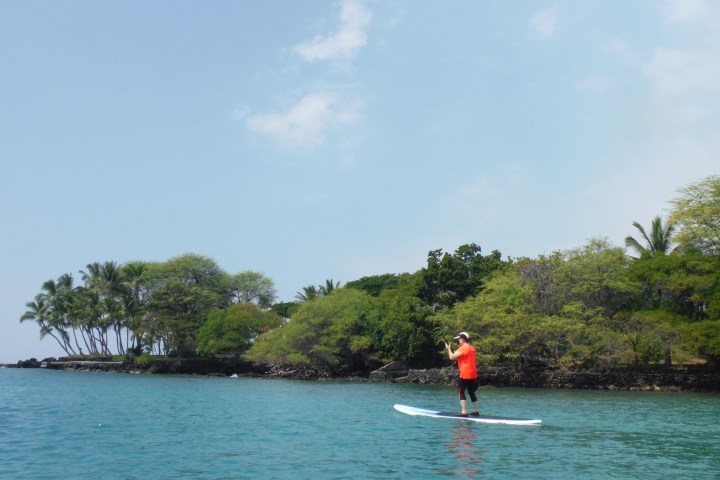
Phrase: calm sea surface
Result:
[73,425]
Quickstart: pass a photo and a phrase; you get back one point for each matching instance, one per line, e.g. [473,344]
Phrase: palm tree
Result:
[59,296]
[328,288]
[66,309]
[93,276]
[133,300]
[309,292]
[40,310]
[101,292]
[657,242]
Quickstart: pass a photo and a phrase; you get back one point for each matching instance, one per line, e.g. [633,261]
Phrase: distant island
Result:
[565,318]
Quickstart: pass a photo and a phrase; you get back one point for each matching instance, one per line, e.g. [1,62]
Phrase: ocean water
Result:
[82,425]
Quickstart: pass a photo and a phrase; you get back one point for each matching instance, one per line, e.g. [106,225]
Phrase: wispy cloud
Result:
[543,22]
[310,121]
[684,11]
[620,48]
[685,84]
[683,72]
[484,197]
[597,82]
[307,123]
[350,36]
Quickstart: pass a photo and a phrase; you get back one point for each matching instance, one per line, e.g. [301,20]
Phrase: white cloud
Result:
[684,11]
[685,85]
[616,46]
[307,122]
[683,72]
[597,82]
[482,189]
[543,22]
[619,47]
[350,36]
[486,200]
[242,112]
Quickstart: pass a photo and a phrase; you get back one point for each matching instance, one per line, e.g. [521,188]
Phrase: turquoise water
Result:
[76,425]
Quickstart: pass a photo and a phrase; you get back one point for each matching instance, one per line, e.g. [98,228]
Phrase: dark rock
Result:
[381,377]
[538,376]
[389,372]
[432,376]
[30,363]
[298,372]
[534,375]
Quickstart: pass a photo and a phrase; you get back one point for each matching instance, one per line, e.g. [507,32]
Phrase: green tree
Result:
[596,276]
[99,308]
[329,332]
[704,339]
[696,212]
[495,318]
[309,292]
[39,311]
[548,294]
[62,318]
[328,288]
[399,328]
[185,290]
[141,306]
[554,309]
[657,242]
[134,297]
[233,330]
[375,284]
[253,287]
[285,309]
[449,279]
[649,335]
[686,283]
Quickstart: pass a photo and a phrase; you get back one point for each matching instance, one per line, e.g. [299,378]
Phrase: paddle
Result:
[441,333]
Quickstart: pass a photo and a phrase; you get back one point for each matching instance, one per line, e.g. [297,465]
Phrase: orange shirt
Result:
[466,362]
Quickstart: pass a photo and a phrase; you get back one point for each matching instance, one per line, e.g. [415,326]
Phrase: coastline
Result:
[659,379]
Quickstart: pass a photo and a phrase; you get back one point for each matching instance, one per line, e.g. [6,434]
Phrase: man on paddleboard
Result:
[465,356]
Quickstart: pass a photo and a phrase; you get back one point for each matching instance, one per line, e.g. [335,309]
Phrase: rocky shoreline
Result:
[650,379]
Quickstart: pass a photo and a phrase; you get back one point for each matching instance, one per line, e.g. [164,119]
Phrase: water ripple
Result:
[69,425]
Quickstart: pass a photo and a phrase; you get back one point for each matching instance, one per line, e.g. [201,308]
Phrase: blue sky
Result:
[338,139]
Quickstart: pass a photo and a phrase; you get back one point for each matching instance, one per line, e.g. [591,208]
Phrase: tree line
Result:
[162,308]
[655,301]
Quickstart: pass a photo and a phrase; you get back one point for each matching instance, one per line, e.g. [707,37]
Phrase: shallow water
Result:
[82,425]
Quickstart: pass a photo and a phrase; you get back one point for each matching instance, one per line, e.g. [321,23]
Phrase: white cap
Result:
[463,334]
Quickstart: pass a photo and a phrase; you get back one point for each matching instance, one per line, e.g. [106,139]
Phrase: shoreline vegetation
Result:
[553,320]
[657,378]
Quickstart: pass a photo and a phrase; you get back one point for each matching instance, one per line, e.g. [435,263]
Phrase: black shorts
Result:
[470,385]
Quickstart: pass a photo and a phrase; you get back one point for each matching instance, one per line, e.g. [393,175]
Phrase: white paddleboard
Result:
[470,418]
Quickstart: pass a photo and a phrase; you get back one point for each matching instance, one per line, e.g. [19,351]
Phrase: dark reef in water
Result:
[696,379]
[649,379]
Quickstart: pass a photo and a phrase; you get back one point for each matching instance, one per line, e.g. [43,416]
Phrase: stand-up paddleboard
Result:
[471,418]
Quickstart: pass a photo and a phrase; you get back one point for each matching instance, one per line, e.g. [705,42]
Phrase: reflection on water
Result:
[464,446]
